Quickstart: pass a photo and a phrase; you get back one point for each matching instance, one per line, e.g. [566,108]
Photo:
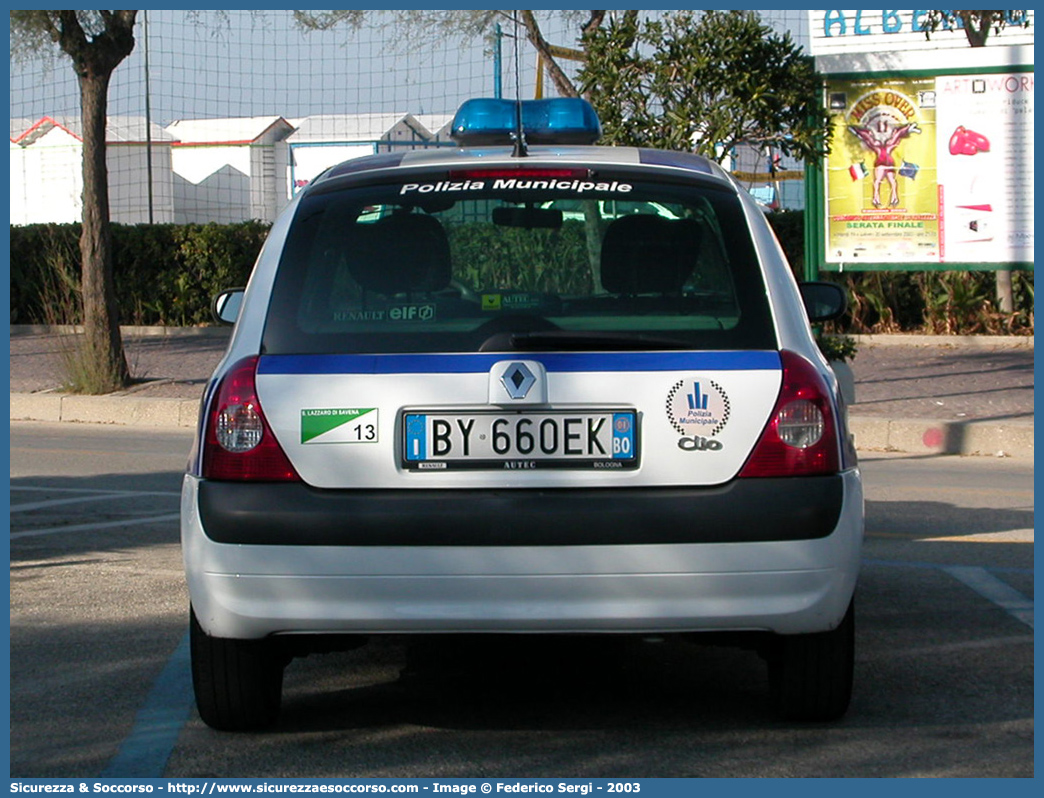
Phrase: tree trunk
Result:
[562,83]
[976,26]
[593,234]
[103,347]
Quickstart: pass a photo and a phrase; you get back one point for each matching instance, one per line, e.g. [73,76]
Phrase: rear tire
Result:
[810,676]
[238,683]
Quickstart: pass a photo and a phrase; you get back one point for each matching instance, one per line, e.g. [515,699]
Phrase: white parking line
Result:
[990,587]
[155,519]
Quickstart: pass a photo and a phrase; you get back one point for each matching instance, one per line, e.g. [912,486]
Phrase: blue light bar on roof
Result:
[562,120]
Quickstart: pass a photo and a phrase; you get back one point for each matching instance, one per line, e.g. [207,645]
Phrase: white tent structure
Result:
[325,140]
[228,170]
[47,171]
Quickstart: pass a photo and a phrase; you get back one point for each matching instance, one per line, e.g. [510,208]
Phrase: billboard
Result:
[930,170]
[835,31]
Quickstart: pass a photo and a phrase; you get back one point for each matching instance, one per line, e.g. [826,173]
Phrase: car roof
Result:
[480,157]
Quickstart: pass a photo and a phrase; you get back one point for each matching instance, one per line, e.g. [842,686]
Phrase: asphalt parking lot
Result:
[100,683]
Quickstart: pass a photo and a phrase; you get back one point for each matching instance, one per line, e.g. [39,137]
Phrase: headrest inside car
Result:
[649,254]
[400,254]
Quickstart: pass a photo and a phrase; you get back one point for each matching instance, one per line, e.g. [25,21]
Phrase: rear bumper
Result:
[741,511]
[676,580]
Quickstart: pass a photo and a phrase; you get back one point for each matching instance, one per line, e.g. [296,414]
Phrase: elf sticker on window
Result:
[339,425]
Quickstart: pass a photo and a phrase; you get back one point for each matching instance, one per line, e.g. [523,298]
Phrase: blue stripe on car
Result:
[556,361]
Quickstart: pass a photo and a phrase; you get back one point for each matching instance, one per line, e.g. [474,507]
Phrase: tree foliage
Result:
[704,82]
[95,42]
[977,25]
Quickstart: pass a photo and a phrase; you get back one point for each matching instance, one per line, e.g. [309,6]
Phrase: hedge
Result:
[167,275]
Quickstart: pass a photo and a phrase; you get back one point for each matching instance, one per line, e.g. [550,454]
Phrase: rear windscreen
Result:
[515,265]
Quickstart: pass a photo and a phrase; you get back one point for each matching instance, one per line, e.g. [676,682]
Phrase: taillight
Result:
[238,444]
[801,437]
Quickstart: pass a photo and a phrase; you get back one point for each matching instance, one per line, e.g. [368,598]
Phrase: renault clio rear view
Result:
[521,385]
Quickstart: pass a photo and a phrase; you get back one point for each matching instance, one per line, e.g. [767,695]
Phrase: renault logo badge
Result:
[518,379]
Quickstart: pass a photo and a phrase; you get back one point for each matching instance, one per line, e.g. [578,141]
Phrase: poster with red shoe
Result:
[986,168]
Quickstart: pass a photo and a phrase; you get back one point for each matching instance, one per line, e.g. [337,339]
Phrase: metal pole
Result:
[148,117]
[498,35]
[1005,293]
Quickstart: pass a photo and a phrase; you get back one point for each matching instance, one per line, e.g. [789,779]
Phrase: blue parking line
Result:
[145,751]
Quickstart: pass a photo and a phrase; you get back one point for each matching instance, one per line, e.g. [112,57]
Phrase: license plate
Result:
[520,441]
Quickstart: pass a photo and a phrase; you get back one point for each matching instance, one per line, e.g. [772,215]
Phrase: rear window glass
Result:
[515,265]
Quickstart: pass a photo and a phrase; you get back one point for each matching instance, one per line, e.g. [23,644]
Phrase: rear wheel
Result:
[238,683]
[810,676]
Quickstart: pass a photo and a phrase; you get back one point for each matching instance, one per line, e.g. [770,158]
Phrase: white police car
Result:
[450,407]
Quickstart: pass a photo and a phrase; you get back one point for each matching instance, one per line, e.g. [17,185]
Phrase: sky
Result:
[260,63]
[256,65]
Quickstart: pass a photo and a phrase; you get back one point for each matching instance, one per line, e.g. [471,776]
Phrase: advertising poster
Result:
[882,183]
[985,125]
[933,170]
